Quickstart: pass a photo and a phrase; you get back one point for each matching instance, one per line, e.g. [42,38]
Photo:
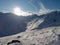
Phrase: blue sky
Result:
[28,5]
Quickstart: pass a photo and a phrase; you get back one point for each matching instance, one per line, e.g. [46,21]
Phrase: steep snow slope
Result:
[33,24]
[42,30]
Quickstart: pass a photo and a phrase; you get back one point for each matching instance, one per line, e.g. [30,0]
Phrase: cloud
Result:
[43,10]
[26,13]
[31,3]
[23,13]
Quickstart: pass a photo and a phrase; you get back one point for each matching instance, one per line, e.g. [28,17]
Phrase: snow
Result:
[33,35]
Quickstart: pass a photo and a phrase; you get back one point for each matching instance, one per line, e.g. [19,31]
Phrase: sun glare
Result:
[18,11]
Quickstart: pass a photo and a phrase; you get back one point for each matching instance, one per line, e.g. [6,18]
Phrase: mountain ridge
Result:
[11,24]
[38,31]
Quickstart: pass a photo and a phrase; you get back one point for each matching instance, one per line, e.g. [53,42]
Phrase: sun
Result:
[18,11]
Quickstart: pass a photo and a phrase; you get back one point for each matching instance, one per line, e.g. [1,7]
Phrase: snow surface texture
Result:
[40,31]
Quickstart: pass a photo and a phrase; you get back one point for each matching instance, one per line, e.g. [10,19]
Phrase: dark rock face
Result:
[14,41]
[32,44]
[58,36]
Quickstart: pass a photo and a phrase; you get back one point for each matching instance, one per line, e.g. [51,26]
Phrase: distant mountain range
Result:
[11,24]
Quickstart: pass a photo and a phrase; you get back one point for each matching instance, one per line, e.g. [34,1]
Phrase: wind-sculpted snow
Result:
[40,37]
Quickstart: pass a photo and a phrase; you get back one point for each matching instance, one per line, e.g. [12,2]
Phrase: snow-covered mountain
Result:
[39,30]
[44,21]
[11,24]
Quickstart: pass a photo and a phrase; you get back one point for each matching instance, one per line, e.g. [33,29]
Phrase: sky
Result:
[29,5]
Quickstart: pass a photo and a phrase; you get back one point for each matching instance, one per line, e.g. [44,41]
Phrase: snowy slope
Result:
[45,36]
[42,30]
